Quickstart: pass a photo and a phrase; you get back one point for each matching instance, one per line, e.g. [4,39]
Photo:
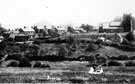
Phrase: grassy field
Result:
[67,72]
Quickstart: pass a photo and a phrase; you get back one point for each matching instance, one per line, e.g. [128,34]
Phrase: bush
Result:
[13,63]
[24,62]
[37,64]
[2,45]
[130,37]
[132,58]
[123,57]
[70,39]
[130,63]
[114,63]
[92,47]
[100,59]
[91,59]
[45,66]
[14,57]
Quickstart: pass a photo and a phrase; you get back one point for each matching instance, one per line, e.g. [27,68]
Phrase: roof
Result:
[79,29]
[105,25]
[28,29]
[40,27]
[16,32]
[61,28]
[115,24]
[110,25]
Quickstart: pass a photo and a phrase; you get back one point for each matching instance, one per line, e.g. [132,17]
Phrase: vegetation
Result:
[126,23]
[130,37]
[130,63]
[13,63]
[70,29]
[114,63]
[87,27]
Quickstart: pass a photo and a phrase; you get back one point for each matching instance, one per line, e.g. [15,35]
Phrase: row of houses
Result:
[42,31]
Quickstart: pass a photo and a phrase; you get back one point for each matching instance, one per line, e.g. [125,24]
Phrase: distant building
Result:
[61,30]
[79,30]
[110,27]
[29,32]
[14,33]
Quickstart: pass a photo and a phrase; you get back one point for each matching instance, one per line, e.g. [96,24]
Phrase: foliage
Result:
[33,50]
[37,64]
[126,23]
[114,63]
[52,32]
[70,39]
[2,29]
[36,29]
[130,63]
[92,59]
[101,59]
[70,29]
[92,47]
[62,52]
[14,57]
[2,45]
[24,62]
[130,37]
[132,58]
[13,63]
[120,57]
[45,66]
[87,27]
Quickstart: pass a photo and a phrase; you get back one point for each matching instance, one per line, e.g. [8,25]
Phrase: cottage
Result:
[110,27]
[14,33]
[61,30]
[29,32]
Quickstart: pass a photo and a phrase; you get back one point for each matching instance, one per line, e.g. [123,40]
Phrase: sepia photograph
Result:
[67,41]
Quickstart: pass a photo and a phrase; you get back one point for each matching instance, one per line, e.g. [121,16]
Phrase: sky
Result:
[18,13]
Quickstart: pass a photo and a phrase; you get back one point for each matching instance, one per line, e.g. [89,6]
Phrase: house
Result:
[21,38]
[14,33]
[61,30]
[110,27]
[42,31]
[29,32]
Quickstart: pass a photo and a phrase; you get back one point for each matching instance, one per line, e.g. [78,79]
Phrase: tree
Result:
[2,29]
[118,19]
[126,23]
[35,28]
[70,29]
[87,27]
[52,32]
[130,37]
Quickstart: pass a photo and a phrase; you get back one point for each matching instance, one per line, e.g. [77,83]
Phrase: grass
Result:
[67,72]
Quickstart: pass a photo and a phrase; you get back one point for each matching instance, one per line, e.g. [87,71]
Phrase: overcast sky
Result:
[16,13]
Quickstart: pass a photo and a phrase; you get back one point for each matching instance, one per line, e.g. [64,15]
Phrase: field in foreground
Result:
[67,72]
